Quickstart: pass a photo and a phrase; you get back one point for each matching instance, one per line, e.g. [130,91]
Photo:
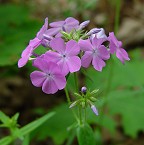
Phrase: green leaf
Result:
[7,140]
[85,135]
[57,126]
[129,104]
[4,118]
[33,125]
[16,31]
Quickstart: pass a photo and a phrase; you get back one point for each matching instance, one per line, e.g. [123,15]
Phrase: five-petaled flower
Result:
[95,52]
[116,47]
[66,55]
[50,77]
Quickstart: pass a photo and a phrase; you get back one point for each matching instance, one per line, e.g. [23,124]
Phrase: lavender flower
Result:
[116,46]
[49,77]
[67,25]
[33,44]
[95,52]
[66,55]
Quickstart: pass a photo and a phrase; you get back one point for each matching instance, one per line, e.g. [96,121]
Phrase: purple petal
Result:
[58,45]
[71,22]
[113,39]
[86,59]
[53,31]
[22,61]
[122,55]
[98,63]
[37,78]
[85,45]
[57,24]
[97,42]
[60,81]
[42,64]
[43,29]
[112,47]
[74,64]
[103,52]
[63,66]
[52,56]
[34,43]
[72,48]
[49,86]
[94,109]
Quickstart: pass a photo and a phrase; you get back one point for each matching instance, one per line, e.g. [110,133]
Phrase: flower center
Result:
[49,75]
[95,51]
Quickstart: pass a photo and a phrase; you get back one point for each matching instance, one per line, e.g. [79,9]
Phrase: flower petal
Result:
[72,48]
[98,63]
[103,52]
[85,45]
[63,66]
[52,56]
[122,55]
[71,21]
[42,64]
[57,24]
[97,42]
[49,86]
[37,78]
[58,45]
[74,64]
[43,29]
[53,31]
[60,81]
[86,59]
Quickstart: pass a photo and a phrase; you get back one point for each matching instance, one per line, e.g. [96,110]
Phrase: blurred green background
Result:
[121,97]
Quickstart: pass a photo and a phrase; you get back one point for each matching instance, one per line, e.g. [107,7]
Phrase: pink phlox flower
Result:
[65,55]
[94,109]
[95,52]
[50,77]
[116,47]
[67,25]
[33,44]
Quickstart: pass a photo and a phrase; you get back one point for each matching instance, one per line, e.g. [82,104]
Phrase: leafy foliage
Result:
[16,30]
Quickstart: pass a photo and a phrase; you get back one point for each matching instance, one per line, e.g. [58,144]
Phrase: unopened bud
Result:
[93,31]
[84,90]
[94,109]
[83,25]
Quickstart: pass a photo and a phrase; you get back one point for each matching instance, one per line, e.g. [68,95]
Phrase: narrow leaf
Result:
[33,125]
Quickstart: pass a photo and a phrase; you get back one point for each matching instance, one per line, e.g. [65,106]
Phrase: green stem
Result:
[67,96]
[69,102]
[76,82]
[80,115]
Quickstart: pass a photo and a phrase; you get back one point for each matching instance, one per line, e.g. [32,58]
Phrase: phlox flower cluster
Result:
[68,47]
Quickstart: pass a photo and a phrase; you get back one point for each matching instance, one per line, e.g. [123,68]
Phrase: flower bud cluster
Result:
[85,99]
